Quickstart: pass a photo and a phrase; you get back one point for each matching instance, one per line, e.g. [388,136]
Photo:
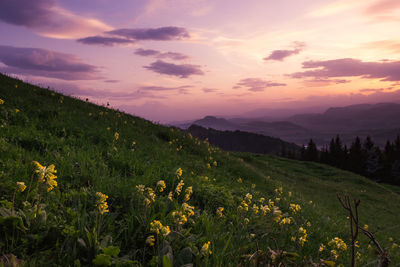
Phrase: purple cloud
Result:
[209,90]
[280,55]
[349,67]
[106,41]
[158,34]
[48,18]
[129,36]
[158,54]
[182,71]
[46,63]
[256,84]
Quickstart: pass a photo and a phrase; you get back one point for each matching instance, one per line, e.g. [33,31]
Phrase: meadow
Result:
[85,185]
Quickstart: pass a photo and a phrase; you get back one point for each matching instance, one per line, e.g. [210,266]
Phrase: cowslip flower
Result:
[189,210]
[116,136]
[179,187]
[157,227]
[188,193]
[294,208]
[21,187]
[101,203]
[219,212]
[205,249]
[178,172]
[239,180]
[161,185]
[150,240]
[1,101]
[46,175]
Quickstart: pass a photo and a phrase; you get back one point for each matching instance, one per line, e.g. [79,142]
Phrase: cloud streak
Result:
[280,55]
[349,67]
[47,18]
[46,63]
[130,36]
[157,54]
[256,84]
[180,70]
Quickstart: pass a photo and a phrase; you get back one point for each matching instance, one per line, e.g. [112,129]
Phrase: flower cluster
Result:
[219,212]
[46,175]
[157,227]
[21,187]
[205,249]
[161,186]
[101,203]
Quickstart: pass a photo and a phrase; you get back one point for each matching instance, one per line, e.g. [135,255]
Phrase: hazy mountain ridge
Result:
[242,141]
[381,121]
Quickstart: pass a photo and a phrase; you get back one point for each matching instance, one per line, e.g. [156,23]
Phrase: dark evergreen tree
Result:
[311,153]
[356,157]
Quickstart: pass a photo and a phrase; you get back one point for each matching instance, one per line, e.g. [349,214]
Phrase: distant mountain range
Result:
[242,141]
[381,121]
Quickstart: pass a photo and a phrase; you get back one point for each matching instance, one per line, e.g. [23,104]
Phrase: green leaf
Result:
[102,260]
[113,251]
[166,262]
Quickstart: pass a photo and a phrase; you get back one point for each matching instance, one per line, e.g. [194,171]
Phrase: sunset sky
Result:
[170,60]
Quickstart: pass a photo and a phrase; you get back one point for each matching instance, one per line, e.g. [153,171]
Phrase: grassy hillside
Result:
[223,209]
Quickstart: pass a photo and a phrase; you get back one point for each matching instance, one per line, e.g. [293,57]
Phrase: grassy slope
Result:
[82,149]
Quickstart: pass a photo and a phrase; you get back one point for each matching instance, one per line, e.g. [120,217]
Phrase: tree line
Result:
[362,157]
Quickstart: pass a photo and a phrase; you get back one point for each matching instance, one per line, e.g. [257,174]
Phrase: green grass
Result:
[63,227]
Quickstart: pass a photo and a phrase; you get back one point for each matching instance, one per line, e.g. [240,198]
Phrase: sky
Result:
[175,60]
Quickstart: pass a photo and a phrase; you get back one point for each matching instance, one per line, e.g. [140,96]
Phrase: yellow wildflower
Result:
[1,101]
[219,212]
[108,128]
[255,208]
[188,193]
[293,239]
[46,175]
[253,186]
[179,172]
[101,203]
[21,186]
[264,209]
[116,136]
[290,194]
[161,185]
[246,220]
[308,224]
[140,188]
[321,248]
[366,226]
[189,210]
[147,202]
[394,245]
[215,163]
[248,198]
[239,180]
[208,166]
[151,194]
[170,196]
[294,208]
[179,217]
[285,221]
[205,249]
[390,239]
[338,243]
[16,110]
[261,200]
[178,188]
[310,202]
